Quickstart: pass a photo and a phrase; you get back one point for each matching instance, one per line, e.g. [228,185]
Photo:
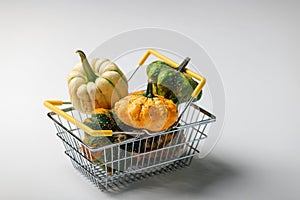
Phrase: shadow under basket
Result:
[113,166]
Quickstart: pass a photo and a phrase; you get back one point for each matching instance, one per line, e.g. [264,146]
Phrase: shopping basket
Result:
[113,166]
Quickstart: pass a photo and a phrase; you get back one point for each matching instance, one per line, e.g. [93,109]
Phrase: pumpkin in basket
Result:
[114,155]
[102,119]
[98,85]
[146,111]
[171,83]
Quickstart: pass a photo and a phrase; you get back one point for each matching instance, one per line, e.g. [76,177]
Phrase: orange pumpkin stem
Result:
[149,91]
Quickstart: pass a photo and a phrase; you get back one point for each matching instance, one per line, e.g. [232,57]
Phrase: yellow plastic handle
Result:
[52,105]
[175,65]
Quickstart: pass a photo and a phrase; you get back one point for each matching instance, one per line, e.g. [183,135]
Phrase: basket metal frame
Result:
[193,126]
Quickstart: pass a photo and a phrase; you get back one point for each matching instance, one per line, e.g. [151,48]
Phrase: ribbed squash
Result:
[96,85]
[146,111]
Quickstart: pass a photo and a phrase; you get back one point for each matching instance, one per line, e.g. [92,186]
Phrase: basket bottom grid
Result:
[118,182]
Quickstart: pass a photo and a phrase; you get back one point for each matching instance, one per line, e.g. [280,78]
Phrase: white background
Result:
[255,46]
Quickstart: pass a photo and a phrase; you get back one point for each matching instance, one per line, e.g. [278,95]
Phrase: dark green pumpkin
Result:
[103,119]
[170,83]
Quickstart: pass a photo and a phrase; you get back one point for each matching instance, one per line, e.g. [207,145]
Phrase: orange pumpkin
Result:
[146,111]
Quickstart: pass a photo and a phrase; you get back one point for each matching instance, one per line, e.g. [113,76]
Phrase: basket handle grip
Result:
[176,65]
[52,105]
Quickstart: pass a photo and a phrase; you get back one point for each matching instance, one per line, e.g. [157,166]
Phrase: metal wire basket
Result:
[113,165]
[130,164]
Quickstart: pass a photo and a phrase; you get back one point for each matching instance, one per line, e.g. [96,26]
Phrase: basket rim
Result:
[211,119]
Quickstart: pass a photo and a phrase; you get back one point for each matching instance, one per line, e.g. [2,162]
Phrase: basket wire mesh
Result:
[129,161]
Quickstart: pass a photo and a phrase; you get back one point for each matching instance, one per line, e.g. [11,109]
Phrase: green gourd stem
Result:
[149,91]
[91,76]
[184,63]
